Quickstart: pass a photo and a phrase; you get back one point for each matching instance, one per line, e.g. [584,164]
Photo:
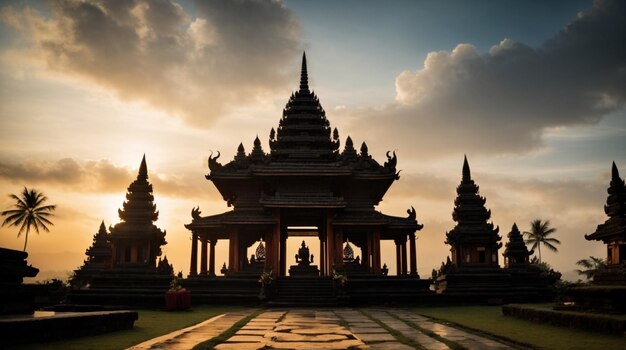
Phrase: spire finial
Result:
[466,169]
[614,171]
[143,169]
[304,77]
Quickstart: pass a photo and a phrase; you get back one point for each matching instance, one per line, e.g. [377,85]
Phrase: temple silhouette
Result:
[306,185]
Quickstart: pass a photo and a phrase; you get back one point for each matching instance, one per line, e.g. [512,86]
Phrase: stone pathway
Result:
[187,338]
[325,329]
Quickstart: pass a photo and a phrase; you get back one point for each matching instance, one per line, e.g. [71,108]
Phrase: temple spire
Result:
[304,77]
[466,169]
[614,172]
[143,169]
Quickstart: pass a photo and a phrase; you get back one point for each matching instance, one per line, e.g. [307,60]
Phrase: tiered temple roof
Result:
[471,215]
[614,227]
[138,216]
[303,132]
[100,249]
[515,249]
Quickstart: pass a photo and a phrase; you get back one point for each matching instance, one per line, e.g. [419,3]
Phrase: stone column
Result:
[212,258]
[322,257]
[376,251]
[330,242]
[404,260]
[413,254]
[283,254]
[398,258]
[367,253]
[203,254]
[233,252]
[339,249]
[193,268]
[272,258]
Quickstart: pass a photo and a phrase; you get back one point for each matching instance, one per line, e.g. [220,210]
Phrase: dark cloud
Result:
[501,101]
[229,52]
[100,176]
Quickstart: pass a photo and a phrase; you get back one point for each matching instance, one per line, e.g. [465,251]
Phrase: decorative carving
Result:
[391,161]
[348,252]
[260,251]
[411,212]
[195,213]
[213,163]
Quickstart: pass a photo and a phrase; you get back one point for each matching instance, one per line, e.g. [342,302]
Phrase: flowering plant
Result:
[266,277]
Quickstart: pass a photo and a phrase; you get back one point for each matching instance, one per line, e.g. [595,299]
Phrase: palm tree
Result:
[538,236]
[591,265]
[29,212]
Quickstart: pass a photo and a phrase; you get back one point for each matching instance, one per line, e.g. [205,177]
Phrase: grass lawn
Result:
[489,319]
[149,325]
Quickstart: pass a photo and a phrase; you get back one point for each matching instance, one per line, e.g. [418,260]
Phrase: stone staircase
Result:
[302,291]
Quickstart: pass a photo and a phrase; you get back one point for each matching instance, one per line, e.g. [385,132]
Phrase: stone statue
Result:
[302,258]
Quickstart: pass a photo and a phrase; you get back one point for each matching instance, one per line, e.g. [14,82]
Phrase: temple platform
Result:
[45,326]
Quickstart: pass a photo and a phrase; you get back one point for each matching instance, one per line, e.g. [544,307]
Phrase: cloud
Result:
[196,66]
[502,101]
[101,176]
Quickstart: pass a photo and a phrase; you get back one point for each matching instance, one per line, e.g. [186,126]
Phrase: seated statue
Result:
[302,258]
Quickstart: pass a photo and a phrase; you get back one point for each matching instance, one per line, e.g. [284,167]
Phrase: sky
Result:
[533,92]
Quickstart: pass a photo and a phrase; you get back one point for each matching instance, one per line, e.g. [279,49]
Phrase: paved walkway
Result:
[369,328]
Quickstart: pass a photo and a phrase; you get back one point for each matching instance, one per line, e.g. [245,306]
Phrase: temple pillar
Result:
[367,252]
[322,257]
[330,242]
[233,252]
[193,268]
[398,258]
[339,248]
[404,260]
[272,257]
[283,253]
[212,258]
[376,251]
[413,254]
[203,254]
[133,254]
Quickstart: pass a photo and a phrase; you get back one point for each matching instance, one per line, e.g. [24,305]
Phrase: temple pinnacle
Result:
[614,171]
[466,169]
[304,77]
[143,169]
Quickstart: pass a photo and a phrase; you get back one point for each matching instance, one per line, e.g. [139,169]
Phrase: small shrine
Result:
[122,266]
[613,232]
[473,269]
[515,251]
[474,242]
[304,260]
[136,242]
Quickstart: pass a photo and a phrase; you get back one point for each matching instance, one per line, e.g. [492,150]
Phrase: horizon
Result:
[528,91]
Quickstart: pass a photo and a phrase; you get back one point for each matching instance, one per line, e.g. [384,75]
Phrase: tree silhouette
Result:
[29,212]
[591,265]
[539,235]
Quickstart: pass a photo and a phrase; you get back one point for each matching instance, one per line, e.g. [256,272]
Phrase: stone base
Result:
[304,271]
[495,285]
[19,330]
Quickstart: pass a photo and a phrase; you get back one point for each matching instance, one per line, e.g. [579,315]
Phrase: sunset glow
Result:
[526,90]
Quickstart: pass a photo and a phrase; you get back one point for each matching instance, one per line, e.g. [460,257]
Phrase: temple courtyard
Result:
[459,327]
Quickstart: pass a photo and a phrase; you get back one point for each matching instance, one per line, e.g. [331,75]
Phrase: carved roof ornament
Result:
[614,228]
[241,152]
[195,213]
[213,163]
[412,213]
[349,153]
[257,151]
[364,151]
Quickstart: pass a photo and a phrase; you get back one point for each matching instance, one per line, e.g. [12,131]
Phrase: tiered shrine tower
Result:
[136,242]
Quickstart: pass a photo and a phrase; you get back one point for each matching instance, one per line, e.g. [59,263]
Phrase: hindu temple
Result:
[305,185]
[473,268]
[122,265]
